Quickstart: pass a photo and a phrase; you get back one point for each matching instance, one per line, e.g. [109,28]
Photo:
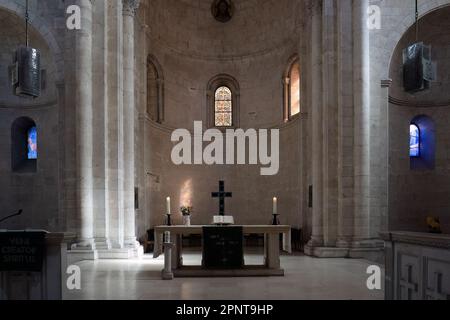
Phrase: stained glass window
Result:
[223,107]
[295,89]
[414,141]
[32,143]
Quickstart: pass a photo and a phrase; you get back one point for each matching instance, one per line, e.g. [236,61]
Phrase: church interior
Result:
[136,133]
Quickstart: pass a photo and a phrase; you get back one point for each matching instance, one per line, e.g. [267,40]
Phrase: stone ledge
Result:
[417,238]
[74,256]
[375,254]
[248,271]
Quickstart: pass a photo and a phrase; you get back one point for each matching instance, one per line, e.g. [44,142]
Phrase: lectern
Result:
[33,264]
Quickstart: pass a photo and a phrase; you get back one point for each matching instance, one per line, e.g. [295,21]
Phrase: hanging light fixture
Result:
[26,70]
[418,69]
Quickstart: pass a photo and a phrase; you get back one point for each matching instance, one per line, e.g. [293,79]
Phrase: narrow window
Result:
[223,111]
[32,144]
[414,141]
[294,77]
[24,145]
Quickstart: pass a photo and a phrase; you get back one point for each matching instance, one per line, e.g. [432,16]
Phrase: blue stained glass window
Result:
[414,141]
[32,144]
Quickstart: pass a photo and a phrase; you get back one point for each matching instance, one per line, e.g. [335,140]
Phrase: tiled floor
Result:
[306,278]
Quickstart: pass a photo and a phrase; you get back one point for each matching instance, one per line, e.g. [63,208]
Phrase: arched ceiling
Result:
[188,28]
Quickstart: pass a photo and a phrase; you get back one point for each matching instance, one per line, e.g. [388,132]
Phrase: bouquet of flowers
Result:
[186,211]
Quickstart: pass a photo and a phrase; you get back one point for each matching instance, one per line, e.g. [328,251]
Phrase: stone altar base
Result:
[271,266]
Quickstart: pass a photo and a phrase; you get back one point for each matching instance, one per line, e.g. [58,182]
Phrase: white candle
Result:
[168,205]
[275,202]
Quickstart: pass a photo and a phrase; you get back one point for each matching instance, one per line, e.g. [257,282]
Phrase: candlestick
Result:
[275,220]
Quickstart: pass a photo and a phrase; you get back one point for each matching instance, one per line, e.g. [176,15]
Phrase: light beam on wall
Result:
[186,193]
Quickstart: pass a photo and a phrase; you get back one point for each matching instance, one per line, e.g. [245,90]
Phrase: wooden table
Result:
[271,267]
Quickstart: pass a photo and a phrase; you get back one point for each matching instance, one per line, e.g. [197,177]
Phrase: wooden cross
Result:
[222,195]
[436,293]
[408,284]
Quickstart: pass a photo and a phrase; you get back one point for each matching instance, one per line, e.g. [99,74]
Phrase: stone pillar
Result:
[346,132]
[100,66]
[305,106]
[361,80]
[84,130]
[385,132]
[129,11]
[317,132]
[113,115]
[330,113]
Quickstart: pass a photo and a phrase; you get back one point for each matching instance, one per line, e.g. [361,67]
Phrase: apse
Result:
[418,133]
[29,134]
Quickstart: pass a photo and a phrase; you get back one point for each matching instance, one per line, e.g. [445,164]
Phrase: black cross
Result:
[222,195]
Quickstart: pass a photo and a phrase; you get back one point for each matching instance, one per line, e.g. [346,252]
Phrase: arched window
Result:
[414,140]
[223,102]
[24,145]
[155,90]
[422,143]
[292,89]
[32,144]
[223,107]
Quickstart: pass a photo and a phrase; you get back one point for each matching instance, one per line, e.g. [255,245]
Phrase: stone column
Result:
[100,66]
[361,80]
[346,132]
[84,130]
[129,11]
[317,130]
[330,119]
[113,118]
[385,133]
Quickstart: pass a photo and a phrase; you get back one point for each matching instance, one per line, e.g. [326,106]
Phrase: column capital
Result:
[130,7]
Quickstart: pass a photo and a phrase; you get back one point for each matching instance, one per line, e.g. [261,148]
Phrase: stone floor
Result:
[306,278]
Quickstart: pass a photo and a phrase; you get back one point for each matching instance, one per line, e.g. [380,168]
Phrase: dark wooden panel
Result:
[223,247]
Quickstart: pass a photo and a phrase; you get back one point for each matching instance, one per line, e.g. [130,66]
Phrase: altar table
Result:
[271,267]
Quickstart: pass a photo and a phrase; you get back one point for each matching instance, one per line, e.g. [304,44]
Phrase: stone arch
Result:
[287,85]
[404,25]
[39,24]
[155,89]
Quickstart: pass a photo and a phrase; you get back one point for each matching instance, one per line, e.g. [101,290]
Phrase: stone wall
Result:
[37,193]
[417,194]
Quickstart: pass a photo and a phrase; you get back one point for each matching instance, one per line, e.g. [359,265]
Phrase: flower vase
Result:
[187,221]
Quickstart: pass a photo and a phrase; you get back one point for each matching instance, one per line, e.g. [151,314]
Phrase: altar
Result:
[271,266]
